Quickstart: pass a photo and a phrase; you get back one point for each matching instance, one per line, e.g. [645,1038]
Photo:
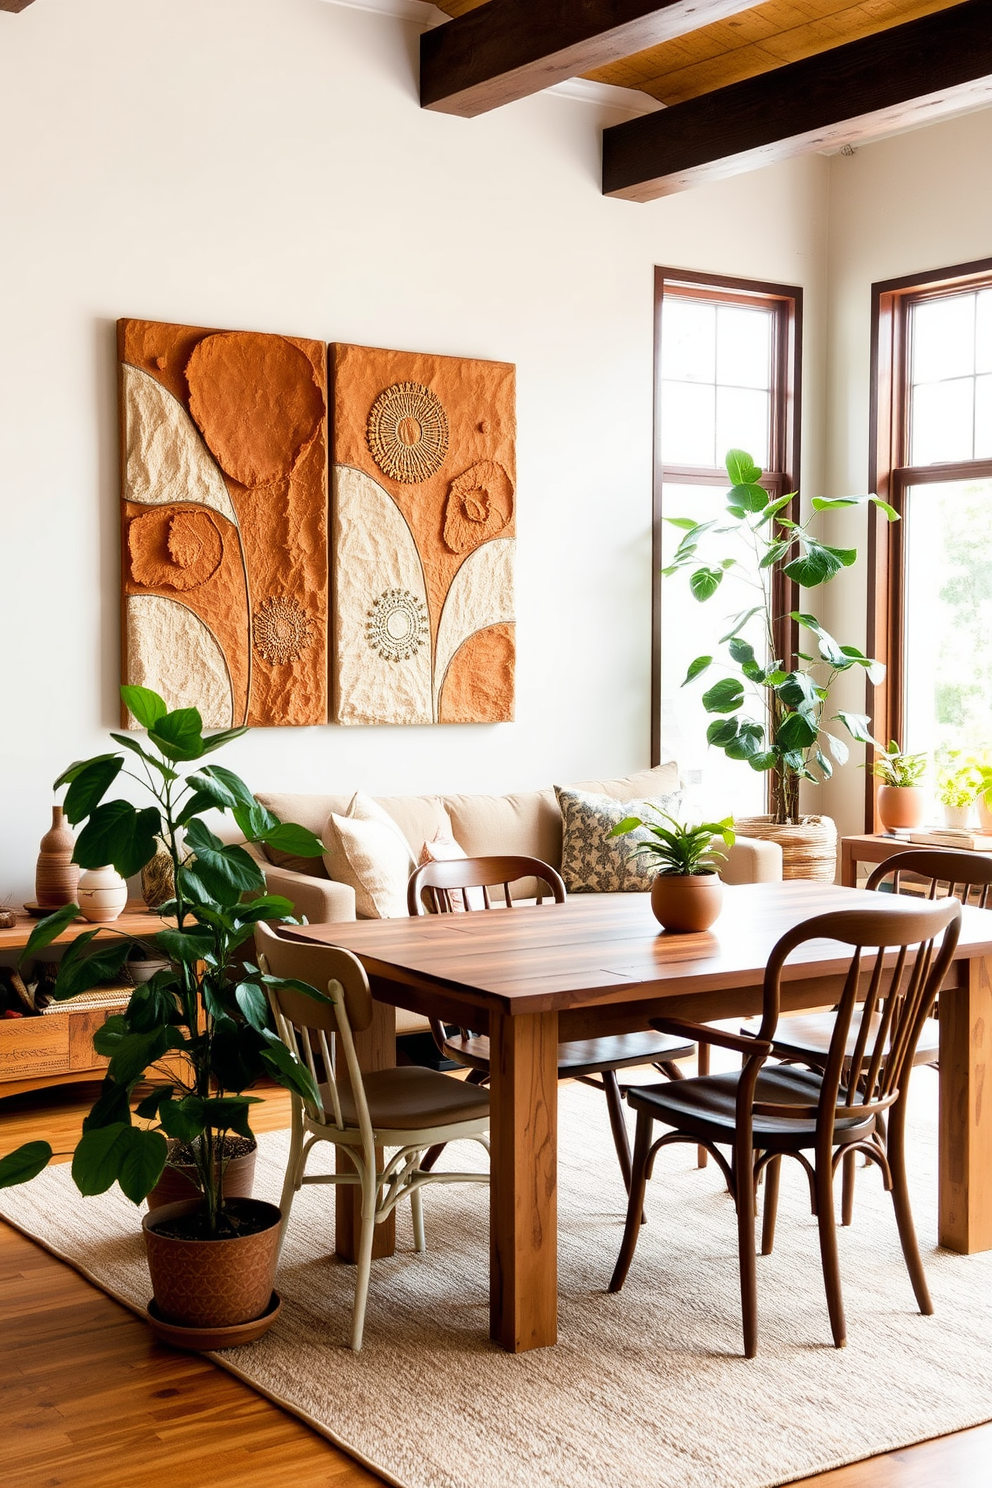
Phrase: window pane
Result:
[743,347]
[690,629]
[941,422]
[688,424]
[742,419]
[983,332]
[688,340]
[948,616]
[983,417]
[943,338]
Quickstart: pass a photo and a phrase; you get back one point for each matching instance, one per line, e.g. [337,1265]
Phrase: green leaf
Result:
[192,944]
[134,1053]
[796,732]
[704,583]
[149,1107]
[816,566]
[748,742]
[111,1108]
[696,668]
[183,1119]
[289,1072]
[687,524]
[741,651]
[206,785]
[49,929]
[217,741]
[268,907]
[748,497]
[255,820]
[856,725]
[117,834]
[78,973]
[629,824]
[774,554]
[741,468]
[779,504]
[142,1163]
[99,1156]
[767,759]
[108,1036]
[724,696]
[146,705]
[291,838]
[229,1112]
[231,782]
[721,732]
[90,785]
[754,673]
[739,623]
[799,691]
[824,764]
[254,1005]
[179,735]
[225,871]
[24,1163]
[127,742]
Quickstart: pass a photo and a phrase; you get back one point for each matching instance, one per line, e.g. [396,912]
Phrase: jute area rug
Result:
[647,1389]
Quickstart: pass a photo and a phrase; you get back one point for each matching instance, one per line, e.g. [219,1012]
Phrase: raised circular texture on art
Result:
[256,403]
[174,548]
[281,630]
[479,505]
[407,432]
[396,626]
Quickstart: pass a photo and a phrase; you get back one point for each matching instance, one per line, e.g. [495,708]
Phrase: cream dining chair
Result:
[402,1111]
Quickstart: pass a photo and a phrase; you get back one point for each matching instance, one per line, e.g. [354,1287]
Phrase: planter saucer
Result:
[198,1340]
[39,911]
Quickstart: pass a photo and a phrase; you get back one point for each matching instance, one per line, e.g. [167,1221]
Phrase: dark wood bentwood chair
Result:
[927,872]
[764,1112]
[441,888]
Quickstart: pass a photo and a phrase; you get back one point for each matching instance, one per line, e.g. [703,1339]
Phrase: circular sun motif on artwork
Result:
[396,626]
[281,629]
[407,432]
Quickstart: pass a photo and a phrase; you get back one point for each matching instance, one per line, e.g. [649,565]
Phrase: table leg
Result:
[376,1049]
[523,1286]
[965,1222]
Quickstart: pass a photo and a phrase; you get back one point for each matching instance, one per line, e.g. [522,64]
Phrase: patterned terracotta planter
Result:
[212,1283]
[686,902]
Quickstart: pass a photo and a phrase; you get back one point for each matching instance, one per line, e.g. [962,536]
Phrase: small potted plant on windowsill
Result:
[900,800]
[687,893]
[199,1031]
[957,788]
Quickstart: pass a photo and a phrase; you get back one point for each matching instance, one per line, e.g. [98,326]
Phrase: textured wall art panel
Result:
[423,537]
[224,521]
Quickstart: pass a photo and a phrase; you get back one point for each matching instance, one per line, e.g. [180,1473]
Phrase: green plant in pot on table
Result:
[900,799]
[769,710]
[198,1032]
[687,892]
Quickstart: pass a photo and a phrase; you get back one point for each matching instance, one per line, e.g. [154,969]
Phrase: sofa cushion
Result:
[365,848]
[418,817]
[660,780]
[593,862]
[527,824]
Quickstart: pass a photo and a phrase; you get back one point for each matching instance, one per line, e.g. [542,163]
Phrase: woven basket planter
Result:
[809,847]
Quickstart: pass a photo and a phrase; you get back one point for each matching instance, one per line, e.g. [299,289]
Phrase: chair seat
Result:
[411,1097]
[584,1056]
[801,1035]
[706,1107]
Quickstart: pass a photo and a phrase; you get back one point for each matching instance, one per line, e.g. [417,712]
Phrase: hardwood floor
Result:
[90,1400]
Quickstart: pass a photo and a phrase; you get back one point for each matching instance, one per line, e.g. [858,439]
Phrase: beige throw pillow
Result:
[443,848]
[593,862]
[366,849]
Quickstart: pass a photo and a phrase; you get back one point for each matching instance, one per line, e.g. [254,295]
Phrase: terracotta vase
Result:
[178,1182]
[212,1283]
[56,875]
[686,902]
[102,894]
[901,808]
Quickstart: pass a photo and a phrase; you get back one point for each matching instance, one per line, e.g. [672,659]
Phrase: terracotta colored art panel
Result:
[423,537]
[224,521]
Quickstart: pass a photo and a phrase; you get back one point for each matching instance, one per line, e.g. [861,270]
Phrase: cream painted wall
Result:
[263,164]
[915,202]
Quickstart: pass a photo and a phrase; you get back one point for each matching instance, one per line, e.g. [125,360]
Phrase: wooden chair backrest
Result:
[896,969]
[432,886]
[963,875]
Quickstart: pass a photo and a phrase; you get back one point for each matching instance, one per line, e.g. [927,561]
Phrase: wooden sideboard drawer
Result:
[34,1046]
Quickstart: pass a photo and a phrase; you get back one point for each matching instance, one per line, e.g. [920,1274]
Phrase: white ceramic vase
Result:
[102,894]
[957,817]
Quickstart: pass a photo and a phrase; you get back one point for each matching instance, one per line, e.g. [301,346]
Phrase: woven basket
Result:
[809,847]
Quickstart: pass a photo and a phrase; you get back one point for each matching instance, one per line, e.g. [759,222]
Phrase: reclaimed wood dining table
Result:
[530,977]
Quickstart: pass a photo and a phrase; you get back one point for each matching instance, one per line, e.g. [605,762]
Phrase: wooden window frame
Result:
[890,475]
[784,436]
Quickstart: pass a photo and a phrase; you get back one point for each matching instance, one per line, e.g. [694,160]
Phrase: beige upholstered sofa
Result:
[527,823]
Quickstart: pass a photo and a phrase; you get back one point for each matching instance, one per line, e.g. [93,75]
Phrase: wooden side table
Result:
[57,1048]
[872,848]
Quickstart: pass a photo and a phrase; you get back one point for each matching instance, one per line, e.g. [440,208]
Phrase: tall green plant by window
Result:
[769,710]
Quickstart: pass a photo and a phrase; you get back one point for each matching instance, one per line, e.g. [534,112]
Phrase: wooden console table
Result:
[871,848]
[57,1048]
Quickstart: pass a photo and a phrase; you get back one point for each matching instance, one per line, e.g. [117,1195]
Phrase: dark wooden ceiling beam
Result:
[909,74]
[14,5]
[508,49]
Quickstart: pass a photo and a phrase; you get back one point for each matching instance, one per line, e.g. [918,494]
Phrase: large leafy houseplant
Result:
[199,1031]
[769,711]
